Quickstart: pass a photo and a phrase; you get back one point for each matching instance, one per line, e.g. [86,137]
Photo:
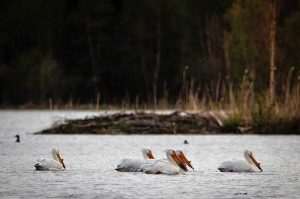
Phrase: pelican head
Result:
[250,158]
[183,158]
[147,154]
[56,156]
[173,158]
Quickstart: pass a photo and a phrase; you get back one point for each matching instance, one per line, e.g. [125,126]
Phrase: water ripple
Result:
[91,160]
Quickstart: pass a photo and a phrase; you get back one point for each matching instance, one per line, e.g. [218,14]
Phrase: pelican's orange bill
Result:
[184,159]
[150,155]
[178,161]
[255,162]
[61,160]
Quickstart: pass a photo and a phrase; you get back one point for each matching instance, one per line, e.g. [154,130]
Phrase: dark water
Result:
[90,161]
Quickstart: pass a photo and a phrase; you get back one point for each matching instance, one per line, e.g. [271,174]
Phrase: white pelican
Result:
[57,163]
[239,165]
[169,166]
[132,165]
[183,158]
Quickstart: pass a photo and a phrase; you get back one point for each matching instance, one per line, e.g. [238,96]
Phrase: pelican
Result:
[133,165]
[171,166]
[183,158]
[57,163]
[241,166]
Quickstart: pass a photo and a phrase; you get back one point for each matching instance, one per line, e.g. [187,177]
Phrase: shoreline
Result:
[132,122]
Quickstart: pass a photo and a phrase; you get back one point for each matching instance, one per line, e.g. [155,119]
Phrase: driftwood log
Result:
[139,123]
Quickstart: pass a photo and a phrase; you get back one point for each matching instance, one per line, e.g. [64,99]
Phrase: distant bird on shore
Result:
[239,165]
[18,138]
[44,164]
[185,142]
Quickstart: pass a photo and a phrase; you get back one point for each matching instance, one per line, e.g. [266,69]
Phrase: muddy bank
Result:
[140,123]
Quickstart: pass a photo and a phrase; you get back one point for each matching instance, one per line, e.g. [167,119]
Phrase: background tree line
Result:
[78,49]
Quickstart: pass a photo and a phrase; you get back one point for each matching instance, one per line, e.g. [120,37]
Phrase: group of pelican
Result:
[175,163]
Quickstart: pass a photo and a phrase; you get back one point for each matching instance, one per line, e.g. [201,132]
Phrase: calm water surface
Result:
[90,160]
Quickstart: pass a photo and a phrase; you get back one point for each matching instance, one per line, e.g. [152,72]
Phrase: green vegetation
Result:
[256,113]
[120,127]
[232,123]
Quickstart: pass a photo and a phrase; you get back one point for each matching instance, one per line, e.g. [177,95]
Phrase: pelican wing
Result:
[127,165]
[48,164]
[160,167]
[236,166]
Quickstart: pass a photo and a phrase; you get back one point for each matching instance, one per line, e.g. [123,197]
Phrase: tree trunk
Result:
[272,50]
[91,50]
[143,57]
[158,56]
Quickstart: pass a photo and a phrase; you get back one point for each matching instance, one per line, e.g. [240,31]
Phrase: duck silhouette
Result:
[18,138]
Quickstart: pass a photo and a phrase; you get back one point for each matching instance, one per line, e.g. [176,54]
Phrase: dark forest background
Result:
[116,49]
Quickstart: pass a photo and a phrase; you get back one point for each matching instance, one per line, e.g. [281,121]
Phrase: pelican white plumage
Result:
[57,163]
[171,166]
[133,165]
[240,165]
[183,158]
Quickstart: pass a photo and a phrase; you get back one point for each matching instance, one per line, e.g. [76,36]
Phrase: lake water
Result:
[90,160]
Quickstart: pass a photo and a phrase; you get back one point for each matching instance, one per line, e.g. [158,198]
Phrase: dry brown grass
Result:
[236,106]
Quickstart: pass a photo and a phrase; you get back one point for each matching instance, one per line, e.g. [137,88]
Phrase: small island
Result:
[139,123]
[176,122]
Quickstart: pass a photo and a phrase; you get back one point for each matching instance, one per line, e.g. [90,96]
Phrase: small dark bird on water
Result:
[18,138]
[185,142]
